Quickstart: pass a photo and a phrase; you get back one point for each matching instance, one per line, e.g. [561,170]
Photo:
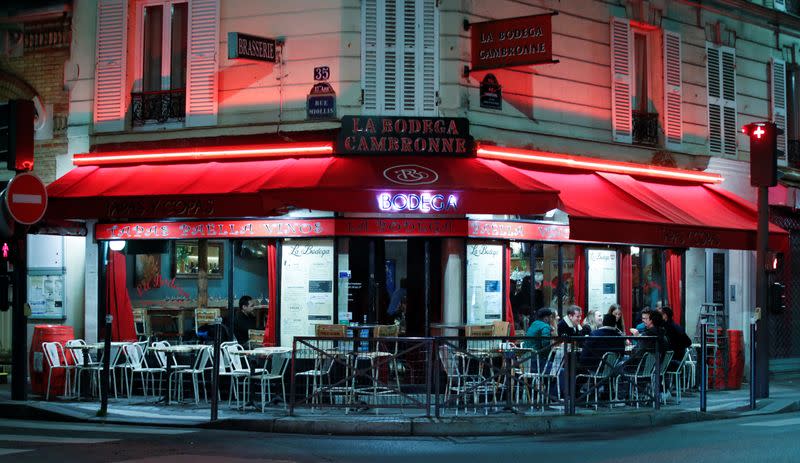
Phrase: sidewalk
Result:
[784,397]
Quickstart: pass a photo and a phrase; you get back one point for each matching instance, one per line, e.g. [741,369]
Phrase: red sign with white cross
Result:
[26,198]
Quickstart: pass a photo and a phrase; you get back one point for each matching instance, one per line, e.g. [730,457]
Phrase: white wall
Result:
[695,287]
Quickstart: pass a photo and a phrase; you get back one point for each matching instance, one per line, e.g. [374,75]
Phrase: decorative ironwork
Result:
[645,128]
[785,327]
[48,35]
[158,107]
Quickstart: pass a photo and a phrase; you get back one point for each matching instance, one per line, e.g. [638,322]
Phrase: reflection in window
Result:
[186,259]
[647,279]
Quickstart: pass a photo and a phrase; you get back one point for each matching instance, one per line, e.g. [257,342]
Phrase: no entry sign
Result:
[26,198]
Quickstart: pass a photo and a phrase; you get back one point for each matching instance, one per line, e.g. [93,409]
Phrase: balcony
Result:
[158,107]
[645,128]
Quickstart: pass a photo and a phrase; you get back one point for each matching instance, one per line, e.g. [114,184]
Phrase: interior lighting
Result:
[171,155]
[595,165]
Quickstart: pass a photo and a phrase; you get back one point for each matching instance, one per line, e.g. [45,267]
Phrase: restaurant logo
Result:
[402,136]
[411,174]
[512,42]
[413,202]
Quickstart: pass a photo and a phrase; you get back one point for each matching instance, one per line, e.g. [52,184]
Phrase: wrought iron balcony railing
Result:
[158,107]
[645,128]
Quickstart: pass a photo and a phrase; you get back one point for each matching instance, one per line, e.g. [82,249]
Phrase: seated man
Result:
[541,330]
[607,338]
[571,324]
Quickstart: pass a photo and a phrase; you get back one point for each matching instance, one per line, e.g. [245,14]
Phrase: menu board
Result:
[484,283]
[306,287]
[46,295]
[602,279]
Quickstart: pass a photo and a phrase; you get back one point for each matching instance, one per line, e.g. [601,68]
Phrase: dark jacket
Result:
[241,324]
[678,340]
[602,340]
[565,330]
[649,345]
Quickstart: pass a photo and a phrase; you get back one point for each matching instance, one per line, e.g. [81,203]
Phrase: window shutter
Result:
[729,128]
[778,100]
[673,120]
[721,74]
[429,58]
[779,5]
[369,55]
[621,48]
[201,81]
[109,89]
[391,67]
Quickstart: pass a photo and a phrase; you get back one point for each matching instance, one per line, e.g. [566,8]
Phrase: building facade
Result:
[657,83]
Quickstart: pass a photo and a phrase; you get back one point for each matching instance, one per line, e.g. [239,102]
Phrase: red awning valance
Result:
[617,208]
[259,188]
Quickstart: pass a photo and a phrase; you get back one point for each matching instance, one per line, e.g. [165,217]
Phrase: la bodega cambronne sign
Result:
[512,42]
[405,136]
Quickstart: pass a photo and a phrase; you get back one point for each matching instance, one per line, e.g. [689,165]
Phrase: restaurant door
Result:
[381,267]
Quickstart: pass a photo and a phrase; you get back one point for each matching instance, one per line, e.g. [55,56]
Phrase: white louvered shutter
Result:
[202,63]
[370,49]
[399,58]
[429,58]
[778,103]
[621,50]
[721,81]
[673,95]
[109,90]
[779,5]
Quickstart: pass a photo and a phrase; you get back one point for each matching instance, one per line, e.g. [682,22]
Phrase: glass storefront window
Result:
[649,288]
[530,293]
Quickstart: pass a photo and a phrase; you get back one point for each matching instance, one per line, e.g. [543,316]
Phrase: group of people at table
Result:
[605,332]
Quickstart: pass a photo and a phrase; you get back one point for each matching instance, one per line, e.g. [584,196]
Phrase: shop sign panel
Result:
[427,136]
[401,227]
[306,287]
[512,42]
[602,278]
[484,283]
[518,230]
[251,47]
[216,229]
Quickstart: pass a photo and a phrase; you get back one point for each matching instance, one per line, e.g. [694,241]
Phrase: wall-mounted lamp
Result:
[116,245]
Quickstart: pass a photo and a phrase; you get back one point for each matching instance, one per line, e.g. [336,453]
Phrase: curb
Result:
[430,427]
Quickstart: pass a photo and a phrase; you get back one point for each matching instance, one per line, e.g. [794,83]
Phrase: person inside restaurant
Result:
[244,320]
[571,324]
[604,339]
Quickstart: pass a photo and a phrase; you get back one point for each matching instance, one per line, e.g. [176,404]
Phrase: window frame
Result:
[166,42]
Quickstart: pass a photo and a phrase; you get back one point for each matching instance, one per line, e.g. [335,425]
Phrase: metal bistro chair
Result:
[664,365]
[202,364]
[56,360]
[644,372]
[275,372]
[601,374]
[482,350]
[138,364]
[238,370]
[140,323]
[82,364]
[678,376]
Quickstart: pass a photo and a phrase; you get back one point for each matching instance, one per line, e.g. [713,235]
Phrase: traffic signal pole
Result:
[19,319]
[761,381]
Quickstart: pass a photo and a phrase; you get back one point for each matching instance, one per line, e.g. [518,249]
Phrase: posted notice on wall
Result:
[306,287]
[46,296]
[602,279]
[484,283]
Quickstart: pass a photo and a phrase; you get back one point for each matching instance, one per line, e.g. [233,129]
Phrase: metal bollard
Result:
[657,375]
[215,371]
[104,381]
[753,329]
[703,367]
[571,367]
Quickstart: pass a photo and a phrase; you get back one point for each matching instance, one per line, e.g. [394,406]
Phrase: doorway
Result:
[380,267]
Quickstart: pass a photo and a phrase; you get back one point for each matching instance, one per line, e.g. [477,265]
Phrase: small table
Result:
[266,353]
[85,348]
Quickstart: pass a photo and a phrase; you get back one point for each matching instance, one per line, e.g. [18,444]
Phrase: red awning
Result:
[259,188]
[616,208]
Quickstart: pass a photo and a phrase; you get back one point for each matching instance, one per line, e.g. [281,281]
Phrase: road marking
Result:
[6,423]
[52,439]
[11,451]
[774,423]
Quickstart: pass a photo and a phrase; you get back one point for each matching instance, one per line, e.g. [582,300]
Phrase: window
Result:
[646,110]
[400,57]
[648,282]
[721,73]
[162,75]
[778,108]
[186,259]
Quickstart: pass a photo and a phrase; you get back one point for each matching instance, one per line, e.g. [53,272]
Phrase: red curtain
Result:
[674,284]
[507,276]
[272,290]
[118,300]
[626,286]
[579,278]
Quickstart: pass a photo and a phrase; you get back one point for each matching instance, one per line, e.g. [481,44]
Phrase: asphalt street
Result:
[770,438]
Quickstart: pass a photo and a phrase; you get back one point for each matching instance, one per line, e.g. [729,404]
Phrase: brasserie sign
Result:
[512,42]
[245,46]
[405,136]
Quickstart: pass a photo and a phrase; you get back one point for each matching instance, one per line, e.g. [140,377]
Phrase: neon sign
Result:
[422,202]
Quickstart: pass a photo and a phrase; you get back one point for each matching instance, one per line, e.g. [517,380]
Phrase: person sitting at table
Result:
[593,321]
[244,320]
[571,324]
[604,339]
[541,330]
[396,306]
[616,311]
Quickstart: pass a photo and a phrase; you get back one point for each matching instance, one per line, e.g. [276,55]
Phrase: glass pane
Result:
[568,288]
[520,283]
[151,52]
[179,46]
[640,72]
[484,283]
[250,268]
[648,280]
